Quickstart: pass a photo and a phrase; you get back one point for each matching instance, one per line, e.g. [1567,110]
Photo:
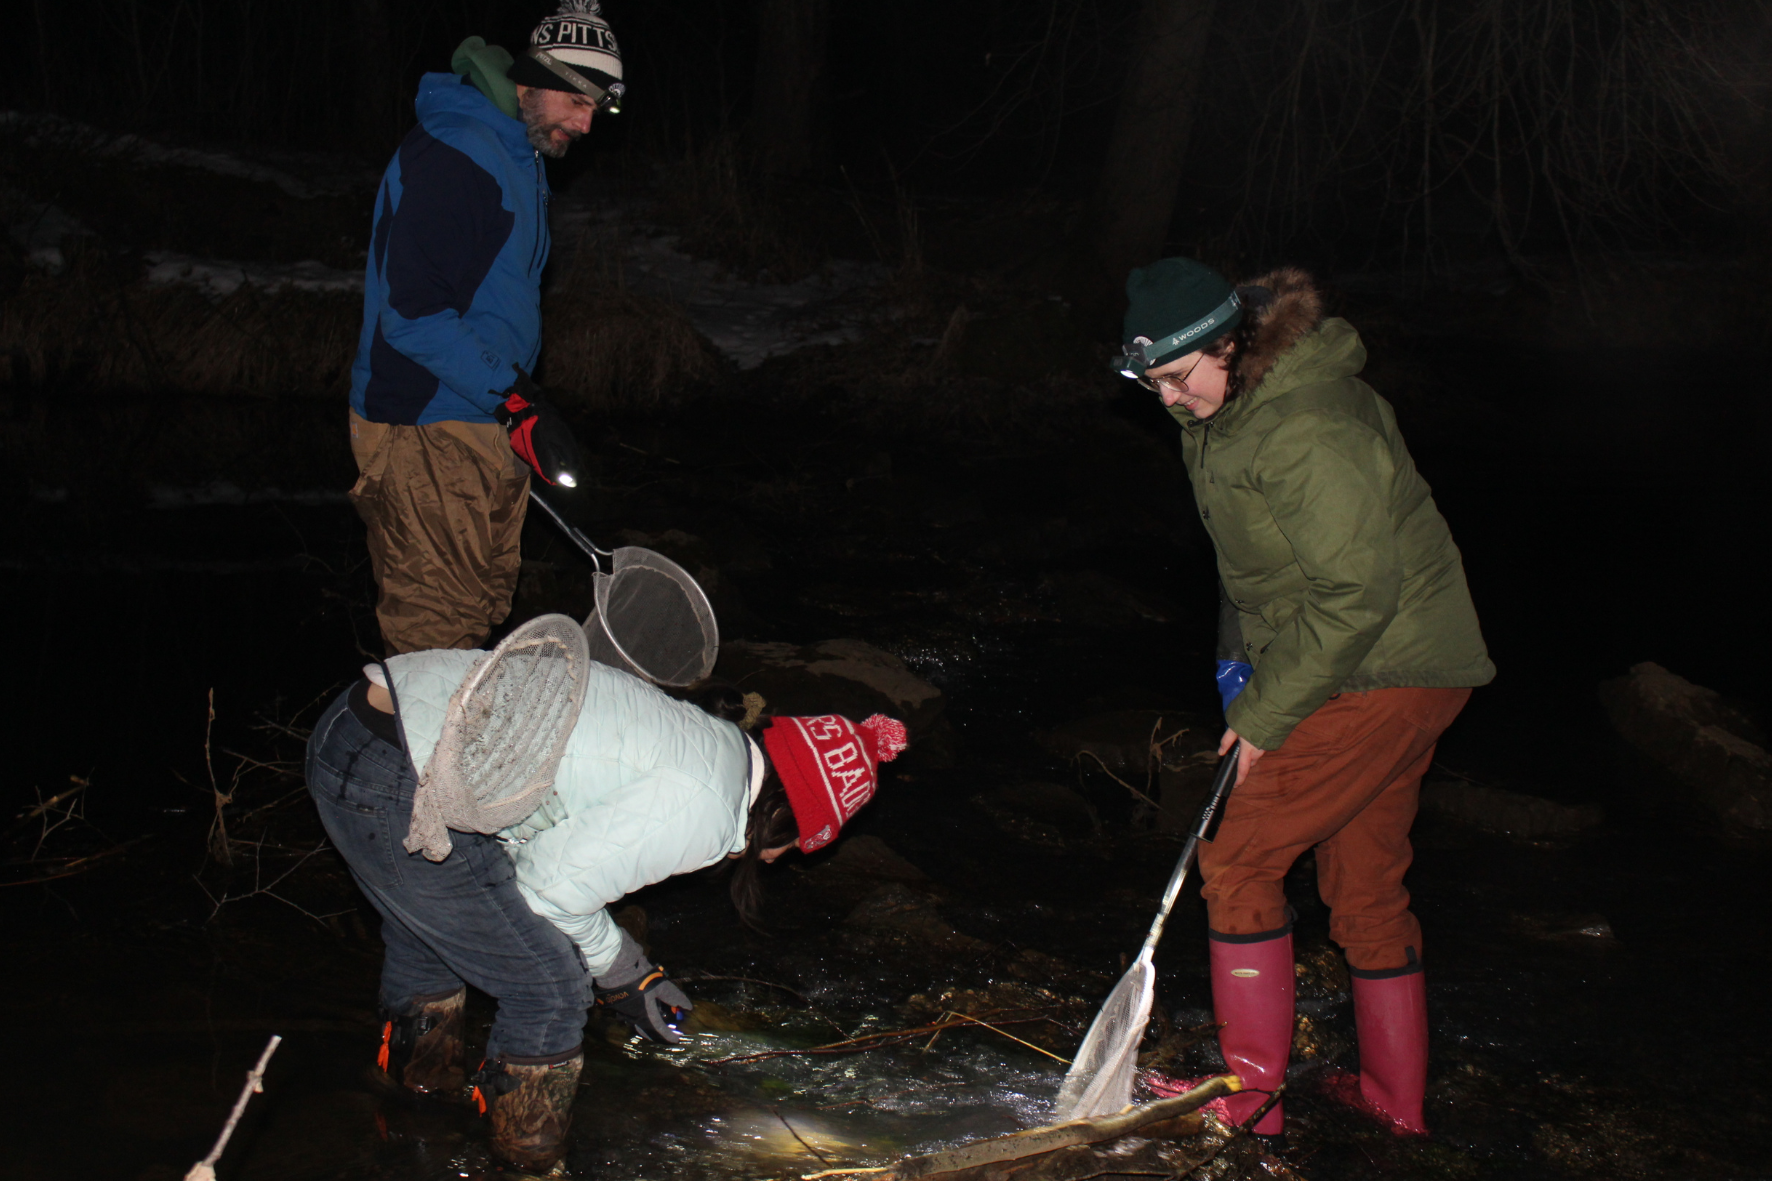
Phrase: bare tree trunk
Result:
[378,77]
[1128,216]
[790,74]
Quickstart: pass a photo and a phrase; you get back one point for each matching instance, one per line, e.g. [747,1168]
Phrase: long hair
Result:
[770,824]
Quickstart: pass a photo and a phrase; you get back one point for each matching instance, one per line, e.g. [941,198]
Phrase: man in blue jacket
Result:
[442,407]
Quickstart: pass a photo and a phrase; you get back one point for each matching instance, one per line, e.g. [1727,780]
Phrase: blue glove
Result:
[1232,676]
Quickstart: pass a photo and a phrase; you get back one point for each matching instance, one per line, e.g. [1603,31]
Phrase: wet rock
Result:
[1041,1016]
[632,919]
[1093,599]
[1691,731]
[895,910]
[1053,803]
[1509,813]
[1567,928]
[849,677]
[1182,788]
[870,857]
[1129,741]
[1050,815]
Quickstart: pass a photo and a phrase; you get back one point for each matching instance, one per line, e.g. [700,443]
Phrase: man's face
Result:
[554,118]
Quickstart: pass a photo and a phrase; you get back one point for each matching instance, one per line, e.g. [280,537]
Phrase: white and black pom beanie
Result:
[572,50]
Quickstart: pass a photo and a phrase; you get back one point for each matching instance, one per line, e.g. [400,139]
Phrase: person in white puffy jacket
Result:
[648,787]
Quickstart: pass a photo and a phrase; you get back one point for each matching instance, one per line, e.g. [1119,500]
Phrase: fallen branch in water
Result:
[870,1041]
[741,980]
[81,864]
[1237,1133]
[204,1170]
[822,1158]
[970,1160]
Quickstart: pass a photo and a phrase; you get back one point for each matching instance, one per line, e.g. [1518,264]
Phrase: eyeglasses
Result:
[1175,383]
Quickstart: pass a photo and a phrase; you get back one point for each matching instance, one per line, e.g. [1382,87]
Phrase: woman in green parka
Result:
[1348,643]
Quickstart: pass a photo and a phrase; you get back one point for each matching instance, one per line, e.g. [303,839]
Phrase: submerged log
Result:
[1061,1151]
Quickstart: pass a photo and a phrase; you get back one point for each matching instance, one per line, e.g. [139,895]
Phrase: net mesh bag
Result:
[1099,1081]
[503,734]
[652,619]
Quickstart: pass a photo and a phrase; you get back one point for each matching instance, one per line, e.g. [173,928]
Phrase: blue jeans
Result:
[444,922]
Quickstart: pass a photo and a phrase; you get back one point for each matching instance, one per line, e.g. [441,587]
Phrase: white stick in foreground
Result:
[204,1170]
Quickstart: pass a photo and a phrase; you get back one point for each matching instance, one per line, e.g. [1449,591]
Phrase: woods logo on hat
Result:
[830,767]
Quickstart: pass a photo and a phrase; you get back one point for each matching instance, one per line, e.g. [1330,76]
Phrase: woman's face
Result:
[1195,382]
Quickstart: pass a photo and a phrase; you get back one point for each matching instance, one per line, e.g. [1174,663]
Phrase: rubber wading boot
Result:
[1252,994]
[1390,1016]
[528,1103]
[422,1050]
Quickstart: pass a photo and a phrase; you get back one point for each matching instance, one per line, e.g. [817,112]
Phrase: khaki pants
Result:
[1345,782]
[444,504]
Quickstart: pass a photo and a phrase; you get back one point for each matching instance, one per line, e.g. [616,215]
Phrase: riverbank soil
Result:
[188,588]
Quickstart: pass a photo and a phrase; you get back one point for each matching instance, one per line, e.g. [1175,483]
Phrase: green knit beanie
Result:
[1174,306]
[485,66]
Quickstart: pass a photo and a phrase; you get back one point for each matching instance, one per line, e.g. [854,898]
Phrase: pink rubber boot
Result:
[1390,1013]
[1252,990]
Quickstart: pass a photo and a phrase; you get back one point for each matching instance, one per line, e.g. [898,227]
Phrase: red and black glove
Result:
[538,434]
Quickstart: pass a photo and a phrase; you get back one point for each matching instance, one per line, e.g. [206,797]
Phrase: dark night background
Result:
[1549,220]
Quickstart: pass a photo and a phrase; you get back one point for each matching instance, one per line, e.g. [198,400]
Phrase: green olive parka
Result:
[1342,572]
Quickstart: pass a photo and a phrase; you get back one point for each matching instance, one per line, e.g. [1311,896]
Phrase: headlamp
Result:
[1142,354]
[603,99]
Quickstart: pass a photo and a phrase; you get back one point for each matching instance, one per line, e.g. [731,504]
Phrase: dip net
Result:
[652,619]
[1100,1078]
[503,734]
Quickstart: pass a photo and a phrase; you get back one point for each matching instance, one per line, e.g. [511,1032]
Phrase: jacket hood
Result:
[449,94]
[1291,344]
[488,68]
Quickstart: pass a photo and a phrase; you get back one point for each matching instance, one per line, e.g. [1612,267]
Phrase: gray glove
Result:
[640,994]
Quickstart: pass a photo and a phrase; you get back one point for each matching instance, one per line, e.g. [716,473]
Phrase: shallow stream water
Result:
[1598,1002]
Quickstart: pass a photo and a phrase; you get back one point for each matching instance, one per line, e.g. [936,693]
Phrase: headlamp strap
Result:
[1195,331]
[597,93]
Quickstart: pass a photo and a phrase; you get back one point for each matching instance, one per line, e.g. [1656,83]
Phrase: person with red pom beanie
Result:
[644,786]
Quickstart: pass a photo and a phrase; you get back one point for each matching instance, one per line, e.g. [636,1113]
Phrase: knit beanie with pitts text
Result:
[572,50]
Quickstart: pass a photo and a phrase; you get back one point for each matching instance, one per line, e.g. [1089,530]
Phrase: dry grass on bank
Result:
[93,327]
[607,350]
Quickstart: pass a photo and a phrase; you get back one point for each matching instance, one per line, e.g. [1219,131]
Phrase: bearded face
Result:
[553,119]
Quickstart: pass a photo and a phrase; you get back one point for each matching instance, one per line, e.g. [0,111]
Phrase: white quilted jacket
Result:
[649,787]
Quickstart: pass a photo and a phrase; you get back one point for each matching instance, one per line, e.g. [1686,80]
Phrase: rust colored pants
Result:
[444,504]
[1346,783]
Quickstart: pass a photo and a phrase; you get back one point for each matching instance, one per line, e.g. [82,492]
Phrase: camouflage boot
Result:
[529,1105]
[422,1050]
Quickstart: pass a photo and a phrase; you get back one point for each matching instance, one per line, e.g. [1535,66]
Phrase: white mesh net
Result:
[653,620]
[1099,1081]
[503,734]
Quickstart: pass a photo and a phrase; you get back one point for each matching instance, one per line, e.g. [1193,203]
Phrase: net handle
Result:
[573,534]
[1205,825]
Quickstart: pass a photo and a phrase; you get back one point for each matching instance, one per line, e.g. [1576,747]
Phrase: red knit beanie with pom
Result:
[830,768]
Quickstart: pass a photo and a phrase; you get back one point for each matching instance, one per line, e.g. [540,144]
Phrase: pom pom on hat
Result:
[887,736]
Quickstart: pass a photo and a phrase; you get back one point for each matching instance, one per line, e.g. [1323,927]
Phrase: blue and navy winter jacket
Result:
[452,294]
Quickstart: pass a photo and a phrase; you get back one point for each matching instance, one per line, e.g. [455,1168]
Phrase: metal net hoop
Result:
[652,619]
[1099,1081]
[508,724]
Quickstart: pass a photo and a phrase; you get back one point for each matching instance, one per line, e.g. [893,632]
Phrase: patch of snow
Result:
[39,230]
[40,127]
[218,277]
[747,321]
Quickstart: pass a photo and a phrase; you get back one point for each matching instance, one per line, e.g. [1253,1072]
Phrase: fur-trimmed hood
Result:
[1294,308]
